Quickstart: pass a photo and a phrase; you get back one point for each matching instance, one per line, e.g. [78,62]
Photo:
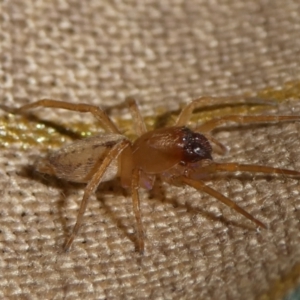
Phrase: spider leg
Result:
[199,185]
[80,107]
[212,124]
[137,209]
[234,167]
[113,153]
[187,111]
[139,122]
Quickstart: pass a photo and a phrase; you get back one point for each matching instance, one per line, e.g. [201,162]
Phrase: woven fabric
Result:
[164,53]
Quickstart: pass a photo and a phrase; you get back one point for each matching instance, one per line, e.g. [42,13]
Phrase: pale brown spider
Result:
[177,154]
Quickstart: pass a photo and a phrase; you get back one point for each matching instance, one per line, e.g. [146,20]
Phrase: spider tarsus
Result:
[68,243]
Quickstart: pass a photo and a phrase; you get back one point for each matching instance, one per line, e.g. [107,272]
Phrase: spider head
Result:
[196,147]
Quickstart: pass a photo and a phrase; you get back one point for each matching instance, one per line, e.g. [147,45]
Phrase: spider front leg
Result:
[113,153]
[202,102]
[80,107]
[200,185]
[213,168]
[235,167]
[214,123]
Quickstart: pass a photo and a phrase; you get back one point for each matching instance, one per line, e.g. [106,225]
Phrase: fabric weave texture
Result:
[164,53]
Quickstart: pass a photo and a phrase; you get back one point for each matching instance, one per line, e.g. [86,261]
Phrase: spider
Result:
[177,154]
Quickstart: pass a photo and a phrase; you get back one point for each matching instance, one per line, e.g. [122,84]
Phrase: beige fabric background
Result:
[165,53]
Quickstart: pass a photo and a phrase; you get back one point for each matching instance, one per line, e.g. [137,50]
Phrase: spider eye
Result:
[196,146]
